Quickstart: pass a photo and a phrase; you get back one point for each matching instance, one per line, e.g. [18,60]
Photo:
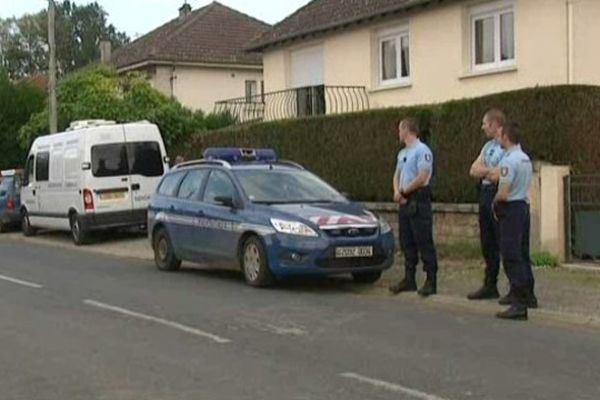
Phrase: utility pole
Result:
[52,72]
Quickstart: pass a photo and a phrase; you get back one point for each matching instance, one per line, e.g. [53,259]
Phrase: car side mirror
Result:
[225,201]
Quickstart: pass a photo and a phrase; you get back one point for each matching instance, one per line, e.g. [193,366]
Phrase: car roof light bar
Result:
[236,155]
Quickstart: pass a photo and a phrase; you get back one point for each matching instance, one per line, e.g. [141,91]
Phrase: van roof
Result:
[71,132]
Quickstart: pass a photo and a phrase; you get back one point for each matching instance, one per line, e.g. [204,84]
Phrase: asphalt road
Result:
[80,326]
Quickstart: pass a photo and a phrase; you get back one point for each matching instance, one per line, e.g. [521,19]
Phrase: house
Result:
[406,52]
[199,57]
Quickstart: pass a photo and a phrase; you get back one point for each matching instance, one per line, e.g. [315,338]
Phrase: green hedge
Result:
[357,152]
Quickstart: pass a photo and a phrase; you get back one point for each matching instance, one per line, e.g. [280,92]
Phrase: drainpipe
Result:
[172,79]
[570,51]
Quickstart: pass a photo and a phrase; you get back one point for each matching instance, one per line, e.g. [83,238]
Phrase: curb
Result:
[490,308]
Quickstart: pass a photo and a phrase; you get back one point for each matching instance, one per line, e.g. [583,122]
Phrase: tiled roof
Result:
[212,34]
[323,15]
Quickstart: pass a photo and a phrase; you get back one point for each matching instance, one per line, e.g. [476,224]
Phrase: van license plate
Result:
[354,252]
[112,196]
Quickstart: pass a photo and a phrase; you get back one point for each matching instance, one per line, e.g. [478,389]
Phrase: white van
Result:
[96,175]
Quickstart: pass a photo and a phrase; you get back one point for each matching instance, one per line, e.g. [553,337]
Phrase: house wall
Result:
[440,53]
[585,52]
[199,88]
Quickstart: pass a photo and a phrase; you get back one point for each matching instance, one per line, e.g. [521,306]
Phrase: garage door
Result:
[307,67]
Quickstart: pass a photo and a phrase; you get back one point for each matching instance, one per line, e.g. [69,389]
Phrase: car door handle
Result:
[135,186]
[33,192]
[200,213]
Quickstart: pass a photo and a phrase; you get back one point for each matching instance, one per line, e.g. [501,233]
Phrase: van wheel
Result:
[26,227]
[254,263]
[164,254]
[79,234]
[366,277]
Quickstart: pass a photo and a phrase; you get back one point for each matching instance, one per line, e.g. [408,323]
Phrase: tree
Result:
[99,93]
[18,101]
[79,31]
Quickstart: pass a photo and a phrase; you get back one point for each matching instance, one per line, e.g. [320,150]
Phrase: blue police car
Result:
[273,217]
[10,199]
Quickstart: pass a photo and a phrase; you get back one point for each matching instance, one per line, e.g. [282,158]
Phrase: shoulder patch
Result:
[504,171]
[428,157]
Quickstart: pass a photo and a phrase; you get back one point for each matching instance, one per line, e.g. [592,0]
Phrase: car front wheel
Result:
[254,263]
[164,254]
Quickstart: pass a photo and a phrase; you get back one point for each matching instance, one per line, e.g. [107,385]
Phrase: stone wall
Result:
[451,222]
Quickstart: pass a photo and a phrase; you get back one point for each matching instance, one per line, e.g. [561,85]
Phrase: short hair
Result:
[512,131]
[411,124]
[496,115]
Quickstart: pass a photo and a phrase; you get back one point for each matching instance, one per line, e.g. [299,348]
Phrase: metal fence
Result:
[582,213]
[295,103]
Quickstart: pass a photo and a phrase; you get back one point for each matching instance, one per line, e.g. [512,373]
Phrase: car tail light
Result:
[10,204]
[88,200]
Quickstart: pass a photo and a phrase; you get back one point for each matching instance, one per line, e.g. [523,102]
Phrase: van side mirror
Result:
[225,201]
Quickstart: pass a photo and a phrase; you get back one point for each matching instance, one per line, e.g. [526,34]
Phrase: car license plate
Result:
[112,196]
[354,252]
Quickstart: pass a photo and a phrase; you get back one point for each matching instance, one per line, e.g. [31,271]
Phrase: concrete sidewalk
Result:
[566,295]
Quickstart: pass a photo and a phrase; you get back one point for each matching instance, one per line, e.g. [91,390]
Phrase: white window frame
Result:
[495,10]
[397,35]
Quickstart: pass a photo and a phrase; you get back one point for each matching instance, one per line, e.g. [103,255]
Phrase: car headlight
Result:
[293,228]
[384,227]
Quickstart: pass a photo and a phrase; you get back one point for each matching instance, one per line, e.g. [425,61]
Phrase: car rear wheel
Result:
[254,263]
[79,234]
[164,254]
[26,227]
[366,277]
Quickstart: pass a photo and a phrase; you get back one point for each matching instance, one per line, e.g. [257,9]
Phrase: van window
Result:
[117,159]
[29,169]
[169,184]
[42,166]
[145,159]
[191,185]
[109,160]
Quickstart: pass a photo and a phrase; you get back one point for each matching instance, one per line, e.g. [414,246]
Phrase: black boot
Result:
[429,288]
[489,290]
[518,309]
[508,299]
[516,312]
[408,284]
[531,301]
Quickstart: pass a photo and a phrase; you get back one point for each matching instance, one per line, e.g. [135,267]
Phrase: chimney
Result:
[185,10]
[105,52]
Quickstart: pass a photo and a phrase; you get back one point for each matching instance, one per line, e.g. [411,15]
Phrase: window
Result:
[42,167]
[394,58]
[285,186]
[251,91]
[169,185]
[493,36]
[145,159]
[109,160]
[118,159]
[219,185]
[29,169]
[192,184]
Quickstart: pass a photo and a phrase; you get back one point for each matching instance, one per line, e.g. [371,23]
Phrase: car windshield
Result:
[283,186]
